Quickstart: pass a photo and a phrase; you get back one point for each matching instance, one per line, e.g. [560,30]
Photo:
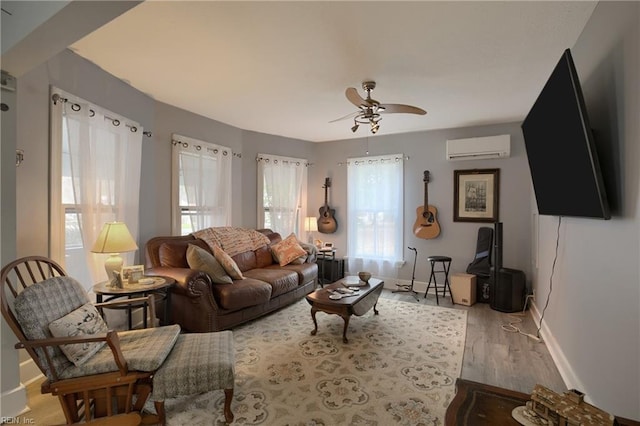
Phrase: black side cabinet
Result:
[330,270]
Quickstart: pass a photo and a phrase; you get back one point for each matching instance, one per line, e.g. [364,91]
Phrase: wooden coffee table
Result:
[478,404]
[358,304]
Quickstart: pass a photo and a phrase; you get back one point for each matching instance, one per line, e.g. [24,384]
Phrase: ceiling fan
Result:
[371,110]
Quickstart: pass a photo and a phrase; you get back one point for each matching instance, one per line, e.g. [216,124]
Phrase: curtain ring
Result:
[57,98]
[215,150]
[133,129]
[198,147]
[115,122]
[92,113]
[224,152]
[75,107]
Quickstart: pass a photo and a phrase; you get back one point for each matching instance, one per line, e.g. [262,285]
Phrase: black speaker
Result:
[508,290]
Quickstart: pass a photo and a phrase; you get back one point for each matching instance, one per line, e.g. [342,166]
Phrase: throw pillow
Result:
[201,260]
[227,263]
[287,250]
[299,260]
[83,321]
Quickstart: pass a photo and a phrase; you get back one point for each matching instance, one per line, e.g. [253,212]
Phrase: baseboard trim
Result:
[562,364]
[14,402]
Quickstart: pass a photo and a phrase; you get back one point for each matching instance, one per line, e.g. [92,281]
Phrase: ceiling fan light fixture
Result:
[370,110]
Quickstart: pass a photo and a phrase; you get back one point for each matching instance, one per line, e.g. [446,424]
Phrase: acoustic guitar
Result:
[426,225]
[327,223]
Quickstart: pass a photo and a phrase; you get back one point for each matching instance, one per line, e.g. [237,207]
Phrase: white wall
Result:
[75,75]
[13,396]
[426,151]
[592,323]
[254,143]
[593,320]
[155,188]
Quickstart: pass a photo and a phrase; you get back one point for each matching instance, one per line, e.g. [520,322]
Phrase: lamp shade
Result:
[114,238]
[310,224]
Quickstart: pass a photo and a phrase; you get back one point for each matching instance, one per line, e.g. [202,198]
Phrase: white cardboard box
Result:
[463,289]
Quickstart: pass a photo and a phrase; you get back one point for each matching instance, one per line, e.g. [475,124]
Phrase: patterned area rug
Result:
[399,367]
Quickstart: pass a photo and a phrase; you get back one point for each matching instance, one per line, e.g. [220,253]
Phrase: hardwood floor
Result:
[497,357]
[492,356]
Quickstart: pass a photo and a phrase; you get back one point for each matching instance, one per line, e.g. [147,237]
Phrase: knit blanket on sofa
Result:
[231,239]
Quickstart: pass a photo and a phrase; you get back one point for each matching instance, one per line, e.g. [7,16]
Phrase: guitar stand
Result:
[408,288]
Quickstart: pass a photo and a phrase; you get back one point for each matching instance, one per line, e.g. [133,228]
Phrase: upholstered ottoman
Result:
[198,363]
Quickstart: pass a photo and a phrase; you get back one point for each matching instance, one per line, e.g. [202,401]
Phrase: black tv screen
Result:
[561,151]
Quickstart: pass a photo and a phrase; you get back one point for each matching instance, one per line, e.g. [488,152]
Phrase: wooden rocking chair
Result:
[118,379]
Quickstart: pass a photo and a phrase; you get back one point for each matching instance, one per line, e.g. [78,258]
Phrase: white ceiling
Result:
[282,67]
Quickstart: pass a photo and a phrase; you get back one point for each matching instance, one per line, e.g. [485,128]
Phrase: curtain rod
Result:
[370,161]
[175,142]
[275,161]
[76,107]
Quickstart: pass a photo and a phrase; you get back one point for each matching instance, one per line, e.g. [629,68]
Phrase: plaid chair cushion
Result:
[144,350]
[40,304]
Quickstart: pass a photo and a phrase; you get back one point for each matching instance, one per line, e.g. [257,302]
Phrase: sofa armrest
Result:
[193,306]
[185,279]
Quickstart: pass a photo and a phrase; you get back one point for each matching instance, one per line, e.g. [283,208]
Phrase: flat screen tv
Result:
[561,151]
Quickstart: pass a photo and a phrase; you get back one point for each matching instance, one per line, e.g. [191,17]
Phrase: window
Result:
[95,178]
[282,183]
[201,185]
[375,214]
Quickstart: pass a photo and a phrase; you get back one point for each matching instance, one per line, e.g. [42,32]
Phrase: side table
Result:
[330,269]
[160,286]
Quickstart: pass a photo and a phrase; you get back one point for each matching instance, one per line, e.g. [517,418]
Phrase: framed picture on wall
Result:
[476,195]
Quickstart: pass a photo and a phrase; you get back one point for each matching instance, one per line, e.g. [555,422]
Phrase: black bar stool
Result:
[446,264]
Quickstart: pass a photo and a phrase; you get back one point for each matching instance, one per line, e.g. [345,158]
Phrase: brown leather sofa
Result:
[198,305]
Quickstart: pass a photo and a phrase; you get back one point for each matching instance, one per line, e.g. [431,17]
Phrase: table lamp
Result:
[311,226]
[114,239]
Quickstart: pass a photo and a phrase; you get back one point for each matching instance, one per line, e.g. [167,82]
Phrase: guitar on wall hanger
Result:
[426,225]
[327,223]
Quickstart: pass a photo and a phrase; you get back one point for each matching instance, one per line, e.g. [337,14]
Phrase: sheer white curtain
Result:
[375,214]
[201,185]
[96,157]
[282,182]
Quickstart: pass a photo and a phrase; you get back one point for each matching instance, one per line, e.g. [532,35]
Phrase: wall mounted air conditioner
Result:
[479,148]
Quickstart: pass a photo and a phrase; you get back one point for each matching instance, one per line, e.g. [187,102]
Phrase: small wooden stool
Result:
[446,264]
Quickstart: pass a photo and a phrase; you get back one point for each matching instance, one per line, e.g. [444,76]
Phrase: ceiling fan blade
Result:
[399,108]
[353,96]
[351,115]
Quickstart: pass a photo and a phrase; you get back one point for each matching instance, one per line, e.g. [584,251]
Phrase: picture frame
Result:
[476,195]
[132,274]
[116,280]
